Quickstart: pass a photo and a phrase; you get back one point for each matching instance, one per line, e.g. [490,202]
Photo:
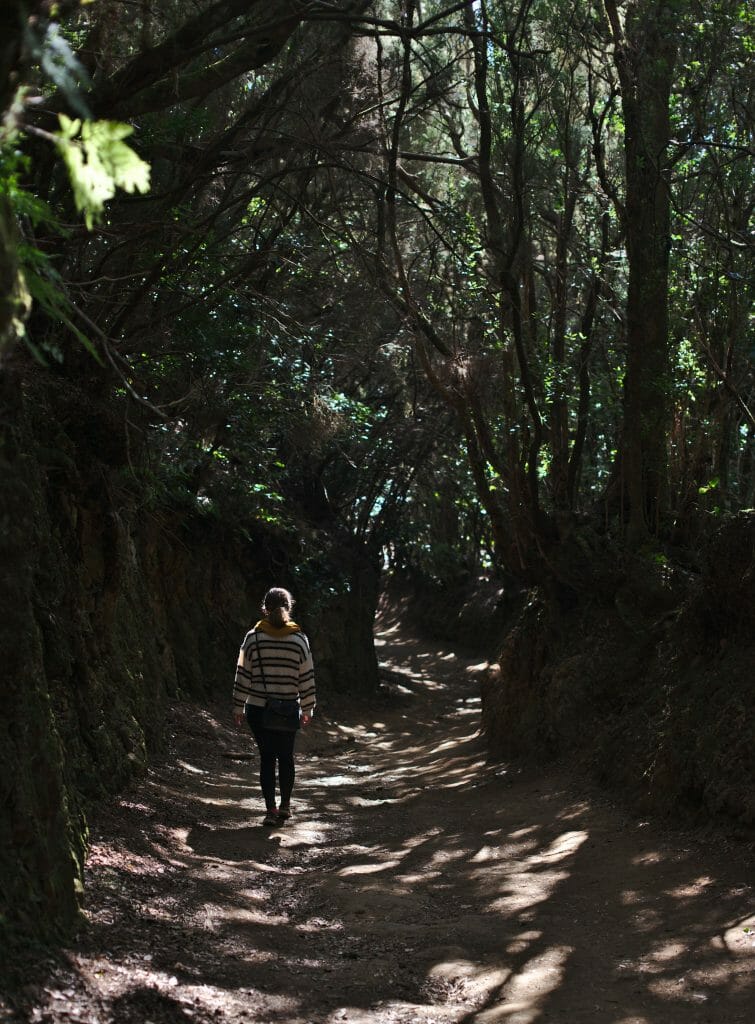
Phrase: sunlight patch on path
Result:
[524,993]
[368,869]
[417,883]
[565,845]
[740,938]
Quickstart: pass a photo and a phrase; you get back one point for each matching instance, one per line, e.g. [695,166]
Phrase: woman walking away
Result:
[275,689]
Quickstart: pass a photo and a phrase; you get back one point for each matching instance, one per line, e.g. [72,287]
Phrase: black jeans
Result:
[275,748]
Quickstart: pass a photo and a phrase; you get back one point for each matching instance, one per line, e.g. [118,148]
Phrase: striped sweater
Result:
[286,662]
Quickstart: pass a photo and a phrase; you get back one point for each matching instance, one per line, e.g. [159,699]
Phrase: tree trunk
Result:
[645,54]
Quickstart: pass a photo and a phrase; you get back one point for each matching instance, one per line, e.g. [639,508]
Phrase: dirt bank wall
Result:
[651,692]
[111,609]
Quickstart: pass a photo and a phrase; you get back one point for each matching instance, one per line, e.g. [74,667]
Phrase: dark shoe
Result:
[271,818]
[284,814]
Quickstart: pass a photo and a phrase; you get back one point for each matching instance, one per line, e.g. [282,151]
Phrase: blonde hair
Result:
[277,605]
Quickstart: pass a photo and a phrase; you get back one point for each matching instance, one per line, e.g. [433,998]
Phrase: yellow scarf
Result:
[277,631]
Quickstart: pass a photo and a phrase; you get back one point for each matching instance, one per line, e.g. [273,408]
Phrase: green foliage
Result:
[49,46]
[710,486]
[99,162]
[37,270]
[268,311]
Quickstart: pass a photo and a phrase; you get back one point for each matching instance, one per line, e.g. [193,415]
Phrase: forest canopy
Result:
[451,277]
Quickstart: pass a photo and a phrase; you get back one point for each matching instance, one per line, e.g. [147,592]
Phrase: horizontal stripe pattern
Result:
[289,672]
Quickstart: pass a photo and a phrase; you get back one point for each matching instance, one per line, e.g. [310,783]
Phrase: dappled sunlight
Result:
[668,951]
[529,988]
[519,892]
[421,878]
[191,768]
[335,780]
[565,845]
[368,869]
[262,915]
[681,990]
[485,854]
[366,801]
[416,882]
[468,712]
[651,858]
[523,942]
[578,810]
[521,833]
[631,897]
[499,947]
[740,938]
[479,982]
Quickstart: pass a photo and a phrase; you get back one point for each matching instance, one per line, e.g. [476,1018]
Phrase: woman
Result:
[275,662]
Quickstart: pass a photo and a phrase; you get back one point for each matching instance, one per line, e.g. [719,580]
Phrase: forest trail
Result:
[416,883]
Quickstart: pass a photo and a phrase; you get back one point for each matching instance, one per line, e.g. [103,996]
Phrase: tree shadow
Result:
[416,881]
[149,1004]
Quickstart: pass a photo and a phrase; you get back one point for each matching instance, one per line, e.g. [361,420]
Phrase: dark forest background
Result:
[446,300]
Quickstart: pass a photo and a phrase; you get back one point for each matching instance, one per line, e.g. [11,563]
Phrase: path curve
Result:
[416,884]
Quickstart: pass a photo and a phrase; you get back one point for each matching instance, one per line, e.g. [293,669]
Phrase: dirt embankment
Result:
[416,882]
[117,598]
[647,685]
[638,672]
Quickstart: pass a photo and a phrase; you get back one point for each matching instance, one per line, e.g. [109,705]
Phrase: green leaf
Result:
[69,127]
[126,169]
[99,162]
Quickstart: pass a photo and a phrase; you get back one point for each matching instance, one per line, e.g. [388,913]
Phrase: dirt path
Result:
[415,883]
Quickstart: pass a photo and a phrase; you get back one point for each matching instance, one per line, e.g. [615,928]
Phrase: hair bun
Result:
[278,598]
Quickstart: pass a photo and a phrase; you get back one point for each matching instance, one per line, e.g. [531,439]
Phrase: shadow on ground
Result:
[417,882]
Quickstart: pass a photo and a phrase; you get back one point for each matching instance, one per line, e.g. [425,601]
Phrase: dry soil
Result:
[416,882]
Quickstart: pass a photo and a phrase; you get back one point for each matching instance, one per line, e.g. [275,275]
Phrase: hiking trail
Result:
[417,883]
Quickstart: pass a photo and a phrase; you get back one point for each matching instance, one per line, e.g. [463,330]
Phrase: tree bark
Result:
[645,55]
